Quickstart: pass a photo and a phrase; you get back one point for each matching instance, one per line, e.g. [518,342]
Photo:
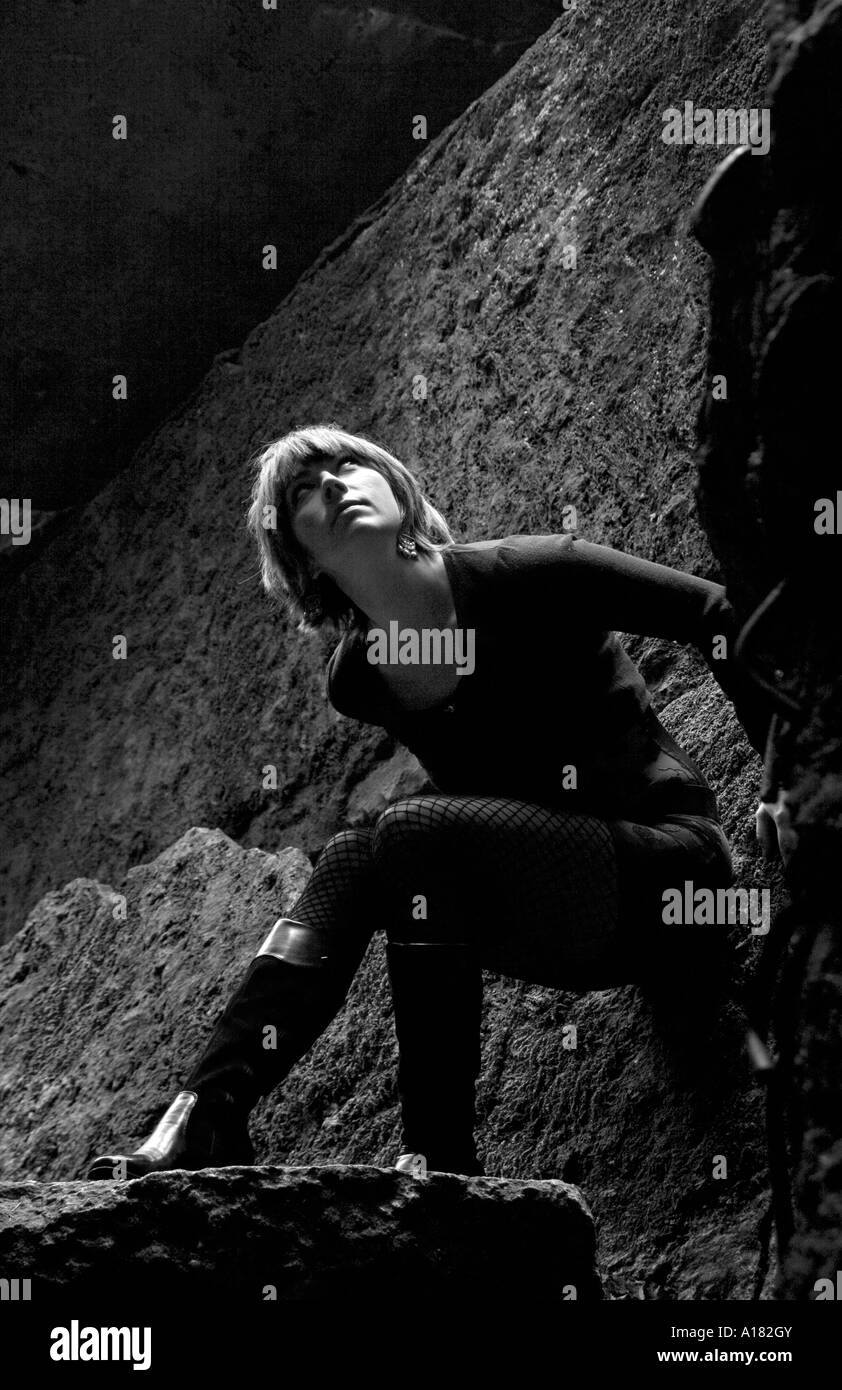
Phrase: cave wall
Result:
[247,126]
[545,385]
[769,474]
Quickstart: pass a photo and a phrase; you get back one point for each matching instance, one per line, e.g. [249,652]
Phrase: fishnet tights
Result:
[535,890]
[537,894]
[342,894]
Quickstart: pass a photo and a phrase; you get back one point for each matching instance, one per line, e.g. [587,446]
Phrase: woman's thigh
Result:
[547,896]
[657,865]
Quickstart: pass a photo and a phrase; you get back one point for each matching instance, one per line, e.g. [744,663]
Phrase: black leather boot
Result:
[292,989]
[207,1131]
[437,1000]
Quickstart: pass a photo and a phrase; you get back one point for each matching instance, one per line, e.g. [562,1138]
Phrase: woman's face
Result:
[337,508]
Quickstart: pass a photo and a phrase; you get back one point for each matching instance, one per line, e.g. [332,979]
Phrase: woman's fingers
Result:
[774,828]
[766,830]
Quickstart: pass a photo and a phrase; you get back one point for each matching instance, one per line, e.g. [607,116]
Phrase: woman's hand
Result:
[773,827]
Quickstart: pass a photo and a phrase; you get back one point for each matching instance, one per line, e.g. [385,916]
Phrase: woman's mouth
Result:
[346,507]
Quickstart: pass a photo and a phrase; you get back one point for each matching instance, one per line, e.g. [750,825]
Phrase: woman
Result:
[563,808]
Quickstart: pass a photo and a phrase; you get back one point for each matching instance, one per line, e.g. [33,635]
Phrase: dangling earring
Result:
[406,545]
[313,610]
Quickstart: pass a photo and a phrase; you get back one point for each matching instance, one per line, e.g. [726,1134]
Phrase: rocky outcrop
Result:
[249,125]
[266,1234]
[107,998]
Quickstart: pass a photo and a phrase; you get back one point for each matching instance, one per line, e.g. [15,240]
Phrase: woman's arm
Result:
[621,593]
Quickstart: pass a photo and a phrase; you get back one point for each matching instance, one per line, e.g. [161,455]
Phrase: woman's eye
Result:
[304,486]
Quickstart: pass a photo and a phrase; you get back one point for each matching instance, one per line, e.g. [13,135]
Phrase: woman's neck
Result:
[414,593]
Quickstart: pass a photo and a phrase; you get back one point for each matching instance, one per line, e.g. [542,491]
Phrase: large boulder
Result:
[261,1234]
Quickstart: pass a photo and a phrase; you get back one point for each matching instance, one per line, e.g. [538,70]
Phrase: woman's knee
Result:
[430,814]
[348,851]
[421,870]
[403,824]
[342,890]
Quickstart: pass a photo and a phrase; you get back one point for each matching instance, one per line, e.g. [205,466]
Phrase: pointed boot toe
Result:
[190,1135]
[414,1164]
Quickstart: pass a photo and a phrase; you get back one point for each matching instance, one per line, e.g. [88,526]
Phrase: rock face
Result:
[101,1017]
[546,386]
[247,126]
[769,494]
[289,1233]
[105,999]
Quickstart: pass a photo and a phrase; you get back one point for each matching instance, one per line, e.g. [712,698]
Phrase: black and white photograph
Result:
[421,667]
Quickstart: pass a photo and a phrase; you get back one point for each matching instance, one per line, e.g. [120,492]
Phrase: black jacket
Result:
[553,688]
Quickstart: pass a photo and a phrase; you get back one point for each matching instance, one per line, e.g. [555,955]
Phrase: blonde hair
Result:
[286,570]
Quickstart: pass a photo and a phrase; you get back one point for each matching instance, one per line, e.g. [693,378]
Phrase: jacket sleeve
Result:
[618,592]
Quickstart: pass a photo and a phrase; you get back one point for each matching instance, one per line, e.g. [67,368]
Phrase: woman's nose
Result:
[331,484]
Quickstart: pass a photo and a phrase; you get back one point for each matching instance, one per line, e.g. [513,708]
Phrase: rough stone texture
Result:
[768,455]
[327,1232]
[401,775]
[100,1020]
[101,1016]
[245,127]
[546,386]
